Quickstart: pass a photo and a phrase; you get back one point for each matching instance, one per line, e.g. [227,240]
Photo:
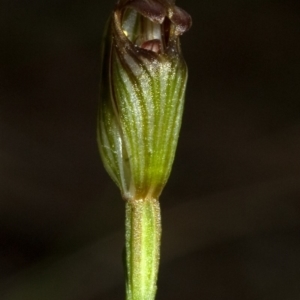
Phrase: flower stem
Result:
[143,233]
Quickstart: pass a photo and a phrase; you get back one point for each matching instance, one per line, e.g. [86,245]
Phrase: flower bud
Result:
[143,84]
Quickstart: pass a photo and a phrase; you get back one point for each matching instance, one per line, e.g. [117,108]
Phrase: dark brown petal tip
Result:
[181,19]
[150,9]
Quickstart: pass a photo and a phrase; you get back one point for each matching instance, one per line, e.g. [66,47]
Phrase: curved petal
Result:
[181,19]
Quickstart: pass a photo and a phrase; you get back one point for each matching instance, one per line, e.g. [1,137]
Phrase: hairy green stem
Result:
[143,233]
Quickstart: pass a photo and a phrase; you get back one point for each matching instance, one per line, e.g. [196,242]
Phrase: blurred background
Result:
[231,209]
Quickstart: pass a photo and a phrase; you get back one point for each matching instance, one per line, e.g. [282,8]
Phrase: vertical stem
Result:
[143,232]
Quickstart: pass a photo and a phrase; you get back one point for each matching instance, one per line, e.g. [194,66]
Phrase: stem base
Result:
[143,234]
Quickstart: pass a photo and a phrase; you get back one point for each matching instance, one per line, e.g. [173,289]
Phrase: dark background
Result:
[231,210]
